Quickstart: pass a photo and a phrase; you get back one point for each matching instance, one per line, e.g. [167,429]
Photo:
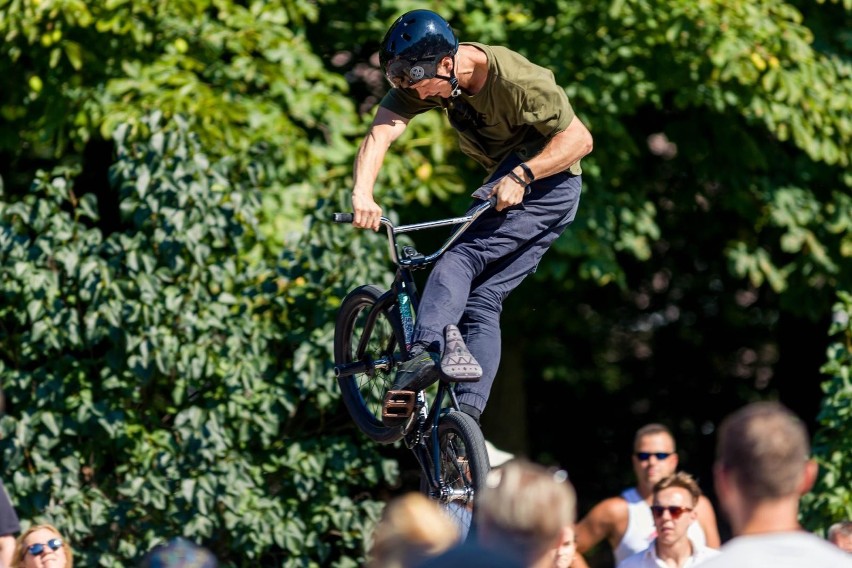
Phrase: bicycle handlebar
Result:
[393,231]
[343,217]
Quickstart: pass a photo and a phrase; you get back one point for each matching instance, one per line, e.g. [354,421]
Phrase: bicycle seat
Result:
[457,362]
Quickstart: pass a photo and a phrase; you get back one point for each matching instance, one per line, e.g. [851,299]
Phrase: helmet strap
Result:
[454,82]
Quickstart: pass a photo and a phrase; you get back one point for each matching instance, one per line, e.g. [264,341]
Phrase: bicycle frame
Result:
[403,301]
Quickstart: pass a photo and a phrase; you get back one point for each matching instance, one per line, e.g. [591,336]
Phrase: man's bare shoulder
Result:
[605,521]
[611,508]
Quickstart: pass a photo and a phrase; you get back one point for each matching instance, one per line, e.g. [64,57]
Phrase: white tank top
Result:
[641,530]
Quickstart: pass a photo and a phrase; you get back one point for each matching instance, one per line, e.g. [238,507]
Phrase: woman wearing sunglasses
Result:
[41,546]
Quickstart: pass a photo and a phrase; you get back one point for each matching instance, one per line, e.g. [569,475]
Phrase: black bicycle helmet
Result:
[414,46]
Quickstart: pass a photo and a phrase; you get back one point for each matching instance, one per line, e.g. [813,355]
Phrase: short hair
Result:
[650,430]
[765,448]
[412,529]
[523,508]
[680,479]
[842,528]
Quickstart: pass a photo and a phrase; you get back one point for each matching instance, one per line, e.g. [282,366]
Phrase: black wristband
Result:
[528,171]
[517,178]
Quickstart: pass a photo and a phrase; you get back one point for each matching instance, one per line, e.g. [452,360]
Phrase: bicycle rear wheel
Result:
[363,393]
[463,466]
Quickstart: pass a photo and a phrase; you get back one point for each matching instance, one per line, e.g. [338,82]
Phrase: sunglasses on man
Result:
[38,548]
[645,456]
[674,511]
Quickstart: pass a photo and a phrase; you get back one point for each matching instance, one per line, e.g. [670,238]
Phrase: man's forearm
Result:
[387,127]
[562,151]
[368,161]
[7,550]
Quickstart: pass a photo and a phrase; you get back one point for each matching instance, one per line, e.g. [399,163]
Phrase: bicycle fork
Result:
[424,441]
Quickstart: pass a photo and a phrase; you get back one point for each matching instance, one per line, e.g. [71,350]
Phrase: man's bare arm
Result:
[606,521]
[560,152]
[387,126]
[707,520]
[7,549]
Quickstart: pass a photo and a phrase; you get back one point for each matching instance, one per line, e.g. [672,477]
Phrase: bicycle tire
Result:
[463,466]
[363,394]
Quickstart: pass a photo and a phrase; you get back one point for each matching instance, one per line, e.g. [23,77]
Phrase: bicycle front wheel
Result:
[462,467]
[358,337]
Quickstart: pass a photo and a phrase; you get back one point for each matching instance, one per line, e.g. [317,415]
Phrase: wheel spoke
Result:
[463,464]
[358,340]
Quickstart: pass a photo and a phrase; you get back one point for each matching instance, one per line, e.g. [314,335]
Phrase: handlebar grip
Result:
[493,201]
[343,217]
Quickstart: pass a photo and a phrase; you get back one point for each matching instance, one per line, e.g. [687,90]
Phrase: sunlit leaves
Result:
[832,497]
[162,381]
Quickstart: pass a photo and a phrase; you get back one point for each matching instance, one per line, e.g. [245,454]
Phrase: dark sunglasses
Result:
[674,511]
[37,548]
[645,456]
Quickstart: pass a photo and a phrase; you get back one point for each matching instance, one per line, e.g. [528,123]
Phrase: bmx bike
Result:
[372,335]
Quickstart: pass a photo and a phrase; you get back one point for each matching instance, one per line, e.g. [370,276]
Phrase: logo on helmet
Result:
[416,73]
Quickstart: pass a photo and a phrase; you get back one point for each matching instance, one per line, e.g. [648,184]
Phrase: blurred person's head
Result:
[567,549]
[412,529]
[840,534]
[42,546]
[654,455]
[762,460]
[179,553]
[673,507]
[526,511]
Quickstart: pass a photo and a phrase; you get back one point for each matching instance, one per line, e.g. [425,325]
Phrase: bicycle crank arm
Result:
[359,367]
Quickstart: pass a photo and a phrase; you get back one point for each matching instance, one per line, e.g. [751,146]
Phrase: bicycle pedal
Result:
[398,406]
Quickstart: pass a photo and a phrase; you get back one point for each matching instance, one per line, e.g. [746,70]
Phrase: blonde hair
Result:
[524,507]
[21,550]
[412,529]
[684,481]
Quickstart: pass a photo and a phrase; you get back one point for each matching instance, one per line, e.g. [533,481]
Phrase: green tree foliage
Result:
[716,198]
[747,114]
[242,73]
[154,386]
[831,500]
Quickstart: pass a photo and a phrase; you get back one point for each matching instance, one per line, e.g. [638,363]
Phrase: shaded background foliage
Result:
[165,332]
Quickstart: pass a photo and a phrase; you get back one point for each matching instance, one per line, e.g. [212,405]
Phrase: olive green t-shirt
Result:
[519,108]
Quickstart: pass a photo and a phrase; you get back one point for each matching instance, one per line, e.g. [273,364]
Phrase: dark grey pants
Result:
[469,282]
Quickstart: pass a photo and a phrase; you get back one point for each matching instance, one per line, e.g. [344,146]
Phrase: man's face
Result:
[567,549]
[654,458]
[843,541]
[431,88]
[673,511]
